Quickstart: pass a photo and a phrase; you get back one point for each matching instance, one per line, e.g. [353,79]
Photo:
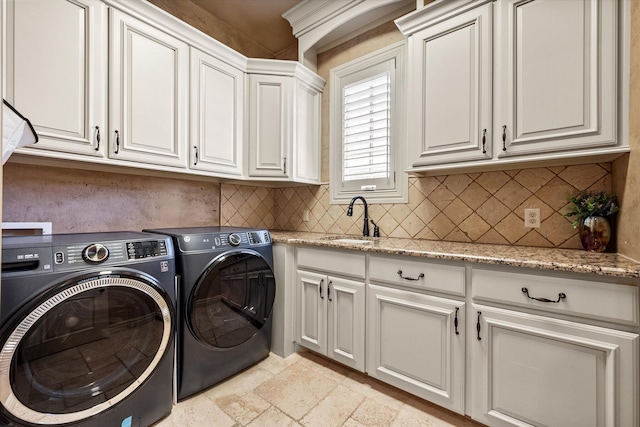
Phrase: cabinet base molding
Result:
[540,161]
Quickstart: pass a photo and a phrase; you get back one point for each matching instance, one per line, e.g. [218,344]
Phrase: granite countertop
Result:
[570,260]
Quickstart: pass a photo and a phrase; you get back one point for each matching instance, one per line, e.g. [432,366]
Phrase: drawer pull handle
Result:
[320,288]
[97,138]
[420,276]
[561,296]
[478,326]
[329,290]
[455,321]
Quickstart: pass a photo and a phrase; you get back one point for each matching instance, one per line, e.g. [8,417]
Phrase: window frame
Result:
[368,66]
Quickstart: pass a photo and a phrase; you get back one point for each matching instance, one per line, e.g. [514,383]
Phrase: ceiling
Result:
[260,20]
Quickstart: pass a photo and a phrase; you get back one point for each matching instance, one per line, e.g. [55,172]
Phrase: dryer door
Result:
[83,348]
[232,300]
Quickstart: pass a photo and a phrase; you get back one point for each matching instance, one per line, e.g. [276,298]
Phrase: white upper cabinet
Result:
[270,99]
[216,136]
[556,81]
[306,135]
[148,103]
[122,83]
[450,89]
[506,83]
[55,75]
[284,121]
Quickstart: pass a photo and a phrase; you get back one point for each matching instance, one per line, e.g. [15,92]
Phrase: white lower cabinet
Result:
[331,317]
[416,343]
[531,370]
[540,349]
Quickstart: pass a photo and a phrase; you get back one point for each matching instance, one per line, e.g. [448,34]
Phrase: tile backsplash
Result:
[485,207]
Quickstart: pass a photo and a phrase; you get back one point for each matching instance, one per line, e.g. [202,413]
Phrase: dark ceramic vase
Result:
[595,233]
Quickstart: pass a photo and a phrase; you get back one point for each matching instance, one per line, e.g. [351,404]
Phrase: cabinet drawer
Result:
[333,261]
[584,298]
[429,276]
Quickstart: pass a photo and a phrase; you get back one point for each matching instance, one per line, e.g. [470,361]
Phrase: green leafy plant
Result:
[586,204]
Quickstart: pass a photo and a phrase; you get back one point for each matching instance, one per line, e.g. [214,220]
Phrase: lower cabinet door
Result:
[345,322]
[312,311]
[416,343]
[531,370]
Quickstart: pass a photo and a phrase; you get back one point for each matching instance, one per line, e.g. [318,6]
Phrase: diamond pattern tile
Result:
[486,207]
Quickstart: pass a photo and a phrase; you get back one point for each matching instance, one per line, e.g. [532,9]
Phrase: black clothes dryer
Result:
[86,329]
[226,293]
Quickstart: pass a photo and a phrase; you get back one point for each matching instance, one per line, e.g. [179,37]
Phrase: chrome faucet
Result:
[365,228]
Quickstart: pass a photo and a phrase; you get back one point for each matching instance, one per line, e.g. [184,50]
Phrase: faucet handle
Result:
[376,229]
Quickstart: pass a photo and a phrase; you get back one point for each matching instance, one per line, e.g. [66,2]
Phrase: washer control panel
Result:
[218,241]
[33,254]
[146,249]
[107,252]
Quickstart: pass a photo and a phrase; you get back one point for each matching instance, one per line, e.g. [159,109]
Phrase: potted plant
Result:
[591,211]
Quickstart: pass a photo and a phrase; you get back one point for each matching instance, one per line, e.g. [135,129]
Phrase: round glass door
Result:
[84,349]
[232,300]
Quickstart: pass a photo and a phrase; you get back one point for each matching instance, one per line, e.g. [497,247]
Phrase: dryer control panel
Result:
[220,241]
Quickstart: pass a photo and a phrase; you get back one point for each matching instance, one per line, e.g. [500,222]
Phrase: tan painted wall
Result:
[627,169]
[88,201]
[204,21]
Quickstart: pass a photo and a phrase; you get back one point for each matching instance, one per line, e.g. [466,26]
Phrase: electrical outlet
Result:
[532,218]
[305,215]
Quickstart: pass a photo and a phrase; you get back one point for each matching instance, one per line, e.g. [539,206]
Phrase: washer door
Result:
[84,348]
[232,300]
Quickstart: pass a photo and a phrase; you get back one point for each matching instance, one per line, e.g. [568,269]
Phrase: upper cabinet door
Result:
[307,146]
[269,125]
[56,71]
[556,76]
[148,108]
[450,90]
[217,91]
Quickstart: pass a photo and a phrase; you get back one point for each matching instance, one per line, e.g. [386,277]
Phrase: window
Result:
[367,130]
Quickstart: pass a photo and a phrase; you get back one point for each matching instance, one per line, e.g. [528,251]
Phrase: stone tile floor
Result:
[307,390]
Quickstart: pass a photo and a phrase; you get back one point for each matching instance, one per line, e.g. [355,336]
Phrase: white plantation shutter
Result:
[366,128]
